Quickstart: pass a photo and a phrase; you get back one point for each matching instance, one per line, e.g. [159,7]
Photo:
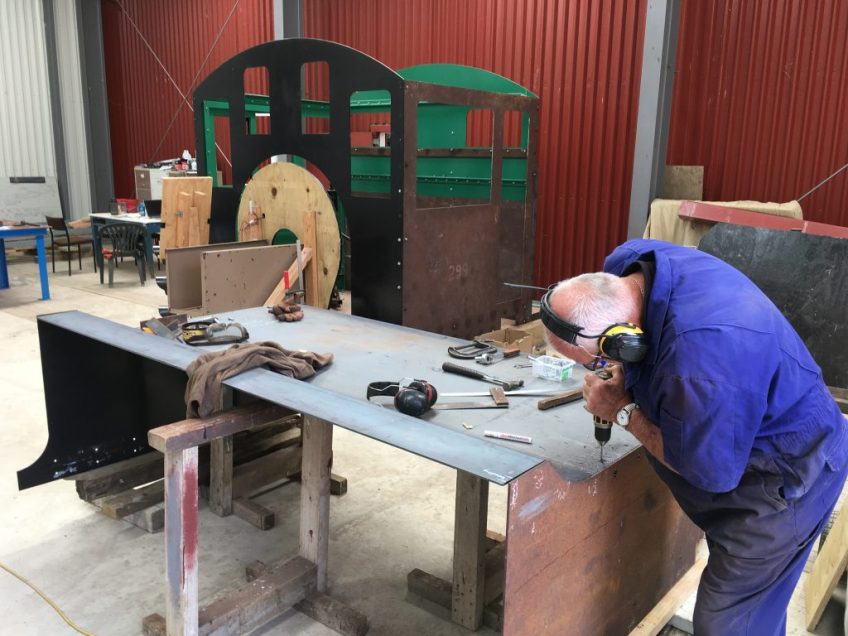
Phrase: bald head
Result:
[594,302]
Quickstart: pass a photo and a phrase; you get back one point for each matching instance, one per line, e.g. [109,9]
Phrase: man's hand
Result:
[605,398]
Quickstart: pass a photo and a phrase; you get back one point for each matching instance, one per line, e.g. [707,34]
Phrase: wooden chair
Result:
[118,240]
[62,239]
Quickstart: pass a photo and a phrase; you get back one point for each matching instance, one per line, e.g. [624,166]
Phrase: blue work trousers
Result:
[758,542]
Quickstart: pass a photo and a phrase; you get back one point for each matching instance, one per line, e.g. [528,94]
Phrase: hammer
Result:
[507,385]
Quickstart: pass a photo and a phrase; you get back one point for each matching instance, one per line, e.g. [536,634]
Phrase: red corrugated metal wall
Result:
[761,101]
[581,57]
[148,118]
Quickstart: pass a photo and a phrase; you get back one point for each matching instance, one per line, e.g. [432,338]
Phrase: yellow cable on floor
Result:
[23,580]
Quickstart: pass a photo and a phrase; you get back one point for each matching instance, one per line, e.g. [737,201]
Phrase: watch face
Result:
[623,416]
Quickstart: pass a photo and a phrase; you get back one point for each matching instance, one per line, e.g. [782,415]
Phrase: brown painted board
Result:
[179,195]
[183,272]
[594,556]
[242,278]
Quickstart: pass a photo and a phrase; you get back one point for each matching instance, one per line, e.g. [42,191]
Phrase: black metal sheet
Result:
[106,383]
[806,276]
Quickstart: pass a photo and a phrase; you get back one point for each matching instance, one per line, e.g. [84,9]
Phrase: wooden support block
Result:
[279,292]
[221,475]
[133,500]
[434,595]
[658,617]
[315,495]
[254,604]
[181,607]
[310,239]
[830,563]
[495,578]
[254,513]
[194,432]
[118,477]
[472,499]
[338,484]
[278,589]
[150,519]
[334,614]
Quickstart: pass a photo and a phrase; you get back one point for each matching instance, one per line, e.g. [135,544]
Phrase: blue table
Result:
[28,231]
[152,225]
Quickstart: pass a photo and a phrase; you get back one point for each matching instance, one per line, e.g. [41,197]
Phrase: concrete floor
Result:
[106,575]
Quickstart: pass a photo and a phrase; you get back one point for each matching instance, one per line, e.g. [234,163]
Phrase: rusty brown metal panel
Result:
[595,556]
[147,117]
[761,101]
[581,58]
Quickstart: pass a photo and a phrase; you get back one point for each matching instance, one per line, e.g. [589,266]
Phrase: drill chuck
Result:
[602,429]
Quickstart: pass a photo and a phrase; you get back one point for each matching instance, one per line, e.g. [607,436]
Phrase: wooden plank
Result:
[221,475]
[251,477]
[495,577]
[193,432]
[114,478]
[132,500]
[249,607]
[193,227]
[663,611]
[284,191]
[179,195]
[254,513]
[276,296]
[472,499]
[434,594]
[334,614]
[315,495]
[181,607]
[242,278]
[831,562]
[311,269]
[261,600]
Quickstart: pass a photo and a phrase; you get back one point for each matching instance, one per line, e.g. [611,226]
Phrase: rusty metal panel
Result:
[158,51]
[581,58]
[592,557]
[761,101]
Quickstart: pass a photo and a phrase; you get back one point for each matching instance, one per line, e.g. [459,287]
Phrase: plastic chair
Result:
[119,240]
[62,239]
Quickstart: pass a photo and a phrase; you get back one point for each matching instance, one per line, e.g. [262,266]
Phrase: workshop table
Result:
[590,547]
[152,225]
[37,232]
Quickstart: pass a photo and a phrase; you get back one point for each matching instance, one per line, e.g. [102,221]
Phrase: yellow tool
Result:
[603,428]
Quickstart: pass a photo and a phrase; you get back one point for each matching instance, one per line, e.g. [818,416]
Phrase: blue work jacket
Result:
[727,379]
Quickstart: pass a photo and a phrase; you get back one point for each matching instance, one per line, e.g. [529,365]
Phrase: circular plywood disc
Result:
[283,192]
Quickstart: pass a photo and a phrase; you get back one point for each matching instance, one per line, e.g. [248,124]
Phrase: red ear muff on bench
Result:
[412,397]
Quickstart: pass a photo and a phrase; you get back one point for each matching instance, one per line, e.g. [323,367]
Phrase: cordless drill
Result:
[602,427]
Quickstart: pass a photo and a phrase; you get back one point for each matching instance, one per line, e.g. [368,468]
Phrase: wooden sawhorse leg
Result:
[181,608]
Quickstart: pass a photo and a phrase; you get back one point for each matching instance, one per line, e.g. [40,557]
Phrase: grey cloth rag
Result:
[204,392]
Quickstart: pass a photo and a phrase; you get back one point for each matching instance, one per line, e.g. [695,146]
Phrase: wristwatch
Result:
[622,418]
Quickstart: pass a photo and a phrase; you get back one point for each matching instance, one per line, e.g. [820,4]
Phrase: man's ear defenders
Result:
[412,397]
[623,341]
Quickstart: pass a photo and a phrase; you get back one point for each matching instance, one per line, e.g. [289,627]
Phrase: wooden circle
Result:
[283,192]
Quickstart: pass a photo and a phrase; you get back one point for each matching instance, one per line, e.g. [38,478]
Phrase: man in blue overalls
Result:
[729,404]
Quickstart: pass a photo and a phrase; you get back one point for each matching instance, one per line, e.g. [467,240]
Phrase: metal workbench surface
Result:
[364,351]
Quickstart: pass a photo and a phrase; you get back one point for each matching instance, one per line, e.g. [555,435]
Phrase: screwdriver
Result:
[603,428]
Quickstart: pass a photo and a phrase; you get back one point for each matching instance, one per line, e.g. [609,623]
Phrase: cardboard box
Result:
[528,338]
[148,183]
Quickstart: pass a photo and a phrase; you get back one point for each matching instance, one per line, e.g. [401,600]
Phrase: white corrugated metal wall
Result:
[73,110]
[26,132]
